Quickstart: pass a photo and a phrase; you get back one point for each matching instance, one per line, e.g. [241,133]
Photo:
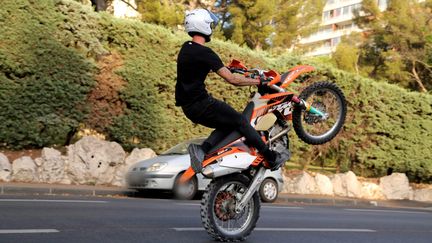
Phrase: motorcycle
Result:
[230,207]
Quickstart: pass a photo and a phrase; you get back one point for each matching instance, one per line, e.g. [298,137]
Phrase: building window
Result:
[345,10]
[335,41]
[356,6]
[335,12]
[382,4]
[326,15]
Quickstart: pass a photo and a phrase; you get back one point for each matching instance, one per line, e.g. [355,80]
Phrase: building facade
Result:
[337,21]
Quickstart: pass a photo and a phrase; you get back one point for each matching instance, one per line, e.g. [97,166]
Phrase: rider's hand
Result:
[264,81]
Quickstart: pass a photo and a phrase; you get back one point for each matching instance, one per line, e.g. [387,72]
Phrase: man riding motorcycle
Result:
[194,62]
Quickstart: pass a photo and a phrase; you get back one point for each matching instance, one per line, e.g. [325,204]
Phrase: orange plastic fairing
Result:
[276,76]
[294,72]
[236,64]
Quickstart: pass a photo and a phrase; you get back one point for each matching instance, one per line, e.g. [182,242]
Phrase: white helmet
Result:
[200,21]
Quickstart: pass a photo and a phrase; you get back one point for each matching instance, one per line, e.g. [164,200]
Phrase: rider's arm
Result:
[237,80]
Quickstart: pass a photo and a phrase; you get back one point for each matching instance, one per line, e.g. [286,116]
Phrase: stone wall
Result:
[394,186]
[90,161]
[93,161]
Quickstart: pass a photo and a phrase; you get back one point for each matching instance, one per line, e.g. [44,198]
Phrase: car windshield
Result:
[181,148]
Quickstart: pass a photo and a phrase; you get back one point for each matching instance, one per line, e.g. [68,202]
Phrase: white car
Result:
[163,172]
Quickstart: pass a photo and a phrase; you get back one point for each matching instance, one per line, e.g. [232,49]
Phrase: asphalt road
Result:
[103,219]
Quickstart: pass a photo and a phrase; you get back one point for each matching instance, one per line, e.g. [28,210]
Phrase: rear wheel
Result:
[328,99]
[218,213]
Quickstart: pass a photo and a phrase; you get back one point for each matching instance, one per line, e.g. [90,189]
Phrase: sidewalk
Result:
[284,198]
[60,189]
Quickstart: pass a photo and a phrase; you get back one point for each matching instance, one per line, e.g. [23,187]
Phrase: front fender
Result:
[293,73]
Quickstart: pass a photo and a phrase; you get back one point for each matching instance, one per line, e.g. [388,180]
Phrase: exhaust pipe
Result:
[215,170]
[279,135]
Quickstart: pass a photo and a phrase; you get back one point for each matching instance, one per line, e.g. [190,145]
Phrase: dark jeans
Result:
[216,114]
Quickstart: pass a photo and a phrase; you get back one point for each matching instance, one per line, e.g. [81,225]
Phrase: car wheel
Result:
[187,190]
[268,190]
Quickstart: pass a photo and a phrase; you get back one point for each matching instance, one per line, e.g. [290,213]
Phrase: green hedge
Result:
[43,83]
[50,56]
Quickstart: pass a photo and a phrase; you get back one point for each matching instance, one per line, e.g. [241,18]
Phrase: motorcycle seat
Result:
[232,136]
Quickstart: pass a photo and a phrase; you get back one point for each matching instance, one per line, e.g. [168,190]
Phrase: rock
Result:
[135,156]
[305,184]
[353,186]
[5,168]
[51,166]
[338,187]
[424,195]
[288,184]
[346,185]
[324,184]
[139,154]
[24,170]
[94,161]
[371,191]
[396,186]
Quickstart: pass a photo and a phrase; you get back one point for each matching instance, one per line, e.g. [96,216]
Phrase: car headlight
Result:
[156,167]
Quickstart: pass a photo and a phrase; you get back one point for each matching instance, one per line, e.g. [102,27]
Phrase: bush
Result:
[43,84]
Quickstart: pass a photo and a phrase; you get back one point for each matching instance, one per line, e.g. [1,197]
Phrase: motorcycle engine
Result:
[281,144]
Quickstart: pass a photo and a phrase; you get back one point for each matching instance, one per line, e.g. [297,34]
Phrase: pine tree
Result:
[164,12]
[399,43]
[269,23]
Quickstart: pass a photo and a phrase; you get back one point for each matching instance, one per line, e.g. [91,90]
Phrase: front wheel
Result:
[218,205]
[329,100]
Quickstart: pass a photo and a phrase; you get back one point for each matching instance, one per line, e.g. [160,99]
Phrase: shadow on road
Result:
[158,194]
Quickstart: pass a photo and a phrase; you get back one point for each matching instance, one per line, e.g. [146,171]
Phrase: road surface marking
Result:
[188,204]
[385,211]
[282,207]
[27,231]
[291,229]
[51,201]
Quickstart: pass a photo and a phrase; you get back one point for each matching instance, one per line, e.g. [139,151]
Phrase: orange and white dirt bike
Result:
[230,206]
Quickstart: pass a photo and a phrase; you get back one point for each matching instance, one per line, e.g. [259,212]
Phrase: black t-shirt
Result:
[194,62]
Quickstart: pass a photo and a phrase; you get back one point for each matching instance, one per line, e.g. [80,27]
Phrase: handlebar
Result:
[254,73]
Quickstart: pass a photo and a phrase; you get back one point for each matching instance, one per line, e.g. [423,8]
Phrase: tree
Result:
[346,57]
[100,5]
[255,23]
[164,12]
[296,18]
[268,23]
[399,43]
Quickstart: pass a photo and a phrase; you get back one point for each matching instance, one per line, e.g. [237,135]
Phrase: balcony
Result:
[340,3]
[321,51]
[328,35]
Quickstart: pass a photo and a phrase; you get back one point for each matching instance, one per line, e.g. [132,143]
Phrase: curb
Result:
[63,190]
[355,202]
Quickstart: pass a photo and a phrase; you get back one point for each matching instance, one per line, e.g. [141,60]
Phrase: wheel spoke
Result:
[225,216]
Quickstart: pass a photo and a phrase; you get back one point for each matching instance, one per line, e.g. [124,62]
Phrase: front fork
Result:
[307,107]
[256,182]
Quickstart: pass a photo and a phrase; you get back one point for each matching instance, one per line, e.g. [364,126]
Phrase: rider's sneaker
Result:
[276,159]
[277,162]
[197,157]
